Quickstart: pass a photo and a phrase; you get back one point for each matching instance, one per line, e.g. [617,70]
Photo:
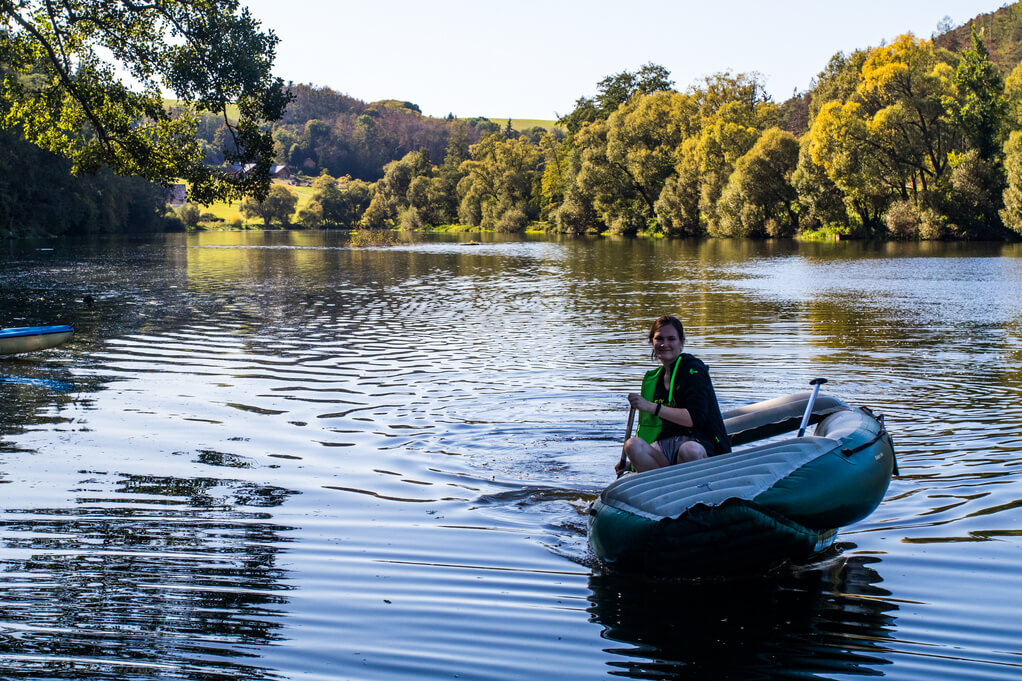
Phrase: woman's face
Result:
[667,344]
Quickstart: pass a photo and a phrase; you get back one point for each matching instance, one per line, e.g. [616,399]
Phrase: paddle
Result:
[816,383]
[628,434]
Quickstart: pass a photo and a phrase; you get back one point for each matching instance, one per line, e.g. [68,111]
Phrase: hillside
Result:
[1002,36]
[326,130]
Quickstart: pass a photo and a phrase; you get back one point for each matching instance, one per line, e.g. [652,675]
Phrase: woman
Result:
[679,418]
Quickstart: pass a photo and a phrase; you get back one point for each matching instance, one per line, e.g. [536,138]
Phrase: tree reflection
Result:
[828,618]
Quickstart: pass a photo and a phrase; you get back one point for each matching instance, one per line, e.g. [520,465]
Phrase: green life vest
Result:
[650,424]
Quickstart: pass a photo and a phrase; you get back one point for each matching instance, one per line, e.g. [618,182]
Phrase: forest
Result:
[915,139]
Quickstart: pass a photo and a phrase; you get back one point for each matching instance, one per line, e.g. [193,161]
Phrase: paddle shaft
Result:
[628,434]
[816,383]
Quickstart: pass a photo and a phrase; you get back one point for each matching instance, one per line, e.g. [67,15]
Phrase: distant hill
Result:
[326,130]
[1002,36]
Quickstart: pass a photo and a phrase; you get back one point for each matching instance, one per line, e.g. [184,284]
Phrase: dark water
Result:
[271,456]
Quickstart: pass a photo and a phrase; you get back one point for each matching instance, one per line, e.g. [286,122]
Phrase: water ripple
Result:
[271,455]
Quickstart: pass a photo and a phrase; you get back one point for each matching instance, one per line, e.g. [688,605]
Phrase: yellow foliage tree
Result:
[892,138]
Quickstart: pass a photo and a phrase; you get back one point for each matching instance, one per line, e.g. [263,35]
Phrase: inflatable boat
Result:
[756,507]
[32,338]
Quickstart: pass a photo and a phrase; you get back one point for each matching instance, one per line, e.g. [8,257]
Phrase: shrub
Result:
[933,225]
[513,220]
[409,219]
[902,221]
[189,214]
[372,238]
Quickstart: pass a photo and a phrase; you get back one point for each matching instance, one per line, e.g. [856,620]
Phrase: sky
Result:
[533,59]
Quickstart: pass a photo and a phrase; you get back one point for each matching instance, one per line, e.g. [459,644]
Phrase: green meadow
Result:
[522,124]
[229,211]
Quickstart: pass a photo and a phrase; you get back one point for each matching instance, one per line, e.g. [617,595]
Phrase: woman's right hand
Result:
[639,402]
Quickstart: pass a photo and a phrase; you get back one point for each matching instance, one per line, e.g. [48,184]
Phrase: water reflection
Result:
[807,623]
[158,577]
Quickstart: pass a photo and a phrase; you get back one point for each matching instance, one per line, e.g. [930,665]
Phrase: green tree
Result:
[902,89]
[377,215]
[391,193]
[440,198]
[730,134]
[613,92]
[278,206]
[1011,214]
[556,176]
[39,196]
[743,93]
[837,81]
[821,202]
[976,196]
[978,105]
[626,160]
[838,143]
[1013,98]
[575,214]
[335,203]
[759,199]
[677,208]
[210,53]
[501,184]
[189,214]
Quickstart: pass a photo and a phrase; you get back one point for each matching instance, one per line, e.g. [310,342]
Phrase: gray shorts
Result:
[669,447]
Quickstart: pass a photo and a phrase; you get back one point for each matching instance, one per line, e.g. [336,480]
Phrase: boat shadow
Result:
[810,621]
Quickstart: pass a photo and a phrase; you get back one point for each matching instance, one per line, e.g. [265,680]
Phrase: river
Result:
[270,455]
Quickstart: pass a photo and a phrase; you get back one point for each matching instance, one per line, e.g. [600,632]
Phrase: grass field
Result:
[520,124]
[516,123]
[230,211]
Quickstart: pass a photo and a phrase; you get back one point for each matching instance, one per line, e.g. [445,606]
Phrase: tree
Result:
[1013,98]
[838,143]
[661,159]
[978,105]
[39,196]
[740,92]
[501,183]
[892,139]
[732,132]
[613,92]
[976,196]
[441,199]
[67,94]
[629,157]
[677,209]
[555,179]
[391,193]
[336,203]
[821,202]
[1011,214]
[902,90]
[278,206]
[759,199]
[837,81]
[189,214]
